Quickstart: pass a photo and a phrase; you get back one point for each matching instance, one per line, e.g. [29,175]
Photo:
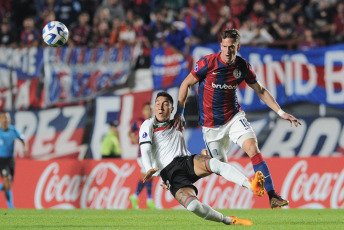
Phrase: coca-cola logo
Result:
[313,190]
[103,188]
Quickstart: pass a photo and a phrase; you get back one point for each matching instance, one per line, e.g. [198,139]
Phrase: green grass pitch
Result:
[168,219]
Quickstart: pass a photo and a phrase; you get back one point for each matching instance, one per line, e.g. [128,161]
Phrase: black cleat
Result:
[277,201]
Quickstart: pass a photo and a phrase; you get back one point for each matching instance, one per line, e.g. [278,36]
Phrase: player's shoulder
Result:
[211,57]
[147,124]
[241,60]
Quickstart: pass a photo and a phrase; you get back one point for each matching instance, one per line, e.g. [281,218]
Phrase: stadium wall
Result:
[312,182]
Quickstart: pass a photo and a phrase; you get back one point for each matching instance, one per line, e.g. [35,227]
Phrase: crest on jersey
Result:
[237,73]
[144,135]
[196,68]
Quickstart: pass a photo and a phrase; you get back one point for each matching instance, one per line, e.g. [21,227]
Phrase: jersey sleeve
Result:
[146,132]
[200,69]
[251,77]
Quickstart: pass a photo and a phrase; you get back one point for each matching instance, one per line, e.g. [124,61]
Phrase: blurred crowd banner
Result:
[51,133]
[91,184]
[169,67]
[37,78]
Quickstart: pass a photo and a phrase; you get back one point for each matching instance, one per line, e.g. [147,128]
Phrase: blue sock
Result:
[140,186]
[260,165]
[149,189]
[9,198]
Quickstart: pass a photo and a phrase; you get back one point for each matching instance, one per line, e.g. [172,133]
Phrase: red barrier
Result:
[306,182]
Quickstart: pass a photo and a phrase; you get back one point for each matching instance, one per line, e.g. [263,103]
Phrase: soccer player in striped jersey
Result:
[164,152]
[220,114]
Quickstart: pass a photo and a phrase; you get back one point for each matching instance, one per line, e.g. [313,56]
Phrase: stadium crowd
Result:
[291,24]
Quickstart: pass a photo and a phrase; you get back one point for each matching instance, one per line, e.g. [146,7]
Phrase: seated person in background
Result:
[110,144]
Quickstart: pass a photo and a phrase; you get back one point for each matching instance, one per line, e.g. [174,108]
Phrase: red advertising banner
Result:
[312,182]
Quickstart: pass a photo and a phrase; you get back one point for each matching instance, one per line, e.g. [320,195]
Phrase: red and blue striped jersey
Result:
[218,81]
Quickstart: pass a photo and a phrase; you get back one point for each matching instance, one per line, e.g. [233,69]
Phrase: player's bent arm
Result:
[146,151]
[189,81]
[270,101]
[265,96]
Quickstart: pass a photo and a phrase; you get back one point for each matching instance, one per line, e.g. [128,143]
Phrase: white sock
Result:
[207,212]
[229,172]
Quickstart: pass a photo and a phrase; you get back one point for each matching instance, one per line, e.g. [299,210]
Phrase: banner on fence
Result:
[51,133]
[69,184]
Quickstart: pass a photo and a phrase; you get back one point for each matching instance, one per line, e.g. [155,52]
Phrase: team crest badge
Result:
[196,68]
[144,135]
[237,73]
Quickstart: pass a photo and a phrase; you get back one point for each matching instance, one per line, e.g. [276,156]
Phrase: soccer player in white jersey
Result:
[164,152]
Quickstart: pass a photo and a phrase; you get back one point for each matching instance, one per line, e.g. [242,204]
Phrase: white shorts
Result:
[219,139]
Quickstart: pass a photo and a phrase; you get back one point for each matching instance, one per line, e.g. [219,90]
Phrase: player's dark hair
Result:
[165,94]
[231,33]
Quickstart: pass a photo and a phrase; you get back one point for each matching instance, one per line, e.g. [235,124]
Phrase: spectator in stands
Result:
[308,41]
[225,21]
[179,37]
[202,34]
[272,5]
[239,8]
[67,11]
[29,35]
[101,35]
[127,36]
[323,18]
[110,144]
[292,7]
[80,32]
[190,14]
[284,27]
[102,15]
[300,26]
[339,22]
[117,26]
[44,9]
[255,35]
[115,9]
[7,36]
[157,26]
[258,14]
[212,8]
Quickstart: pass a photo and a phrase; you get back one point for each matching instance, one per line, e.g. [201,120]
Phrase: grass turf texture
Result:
[168,219]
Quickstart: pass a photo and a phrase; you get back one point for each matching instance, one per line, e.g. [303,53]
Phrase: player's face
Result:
[162,109]
[5,120]
[147,111]
[229,50]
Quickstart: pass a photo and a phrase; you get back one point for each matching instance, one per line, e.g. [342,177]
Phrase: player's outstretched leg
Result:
[232,174]
[260,165]
[134,198]
[186,196]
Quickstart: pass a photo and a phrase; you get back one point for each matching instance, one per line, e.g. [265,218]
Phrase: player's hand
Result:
[149,174]
[164,186]
[178,121]
[291,119]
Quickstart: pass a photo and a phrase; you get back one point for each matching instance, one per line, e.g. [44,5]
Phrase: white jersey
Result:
[166,143]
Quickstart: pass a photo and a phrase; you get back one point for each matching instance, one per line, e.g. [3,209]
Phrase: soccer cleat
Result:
[134,201]
[150,204]
[237,221]
[257,184]
[277,201]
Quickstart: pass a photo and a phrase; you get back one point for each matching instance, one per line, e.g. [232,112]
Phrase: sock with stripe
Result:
[140,186]
[148,185]
[228,172]
[9,198]
[260,165]
[205,211]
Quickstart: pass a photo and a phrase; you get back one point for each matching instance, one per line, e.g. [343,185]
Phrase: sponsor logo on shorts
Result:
[224,86]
